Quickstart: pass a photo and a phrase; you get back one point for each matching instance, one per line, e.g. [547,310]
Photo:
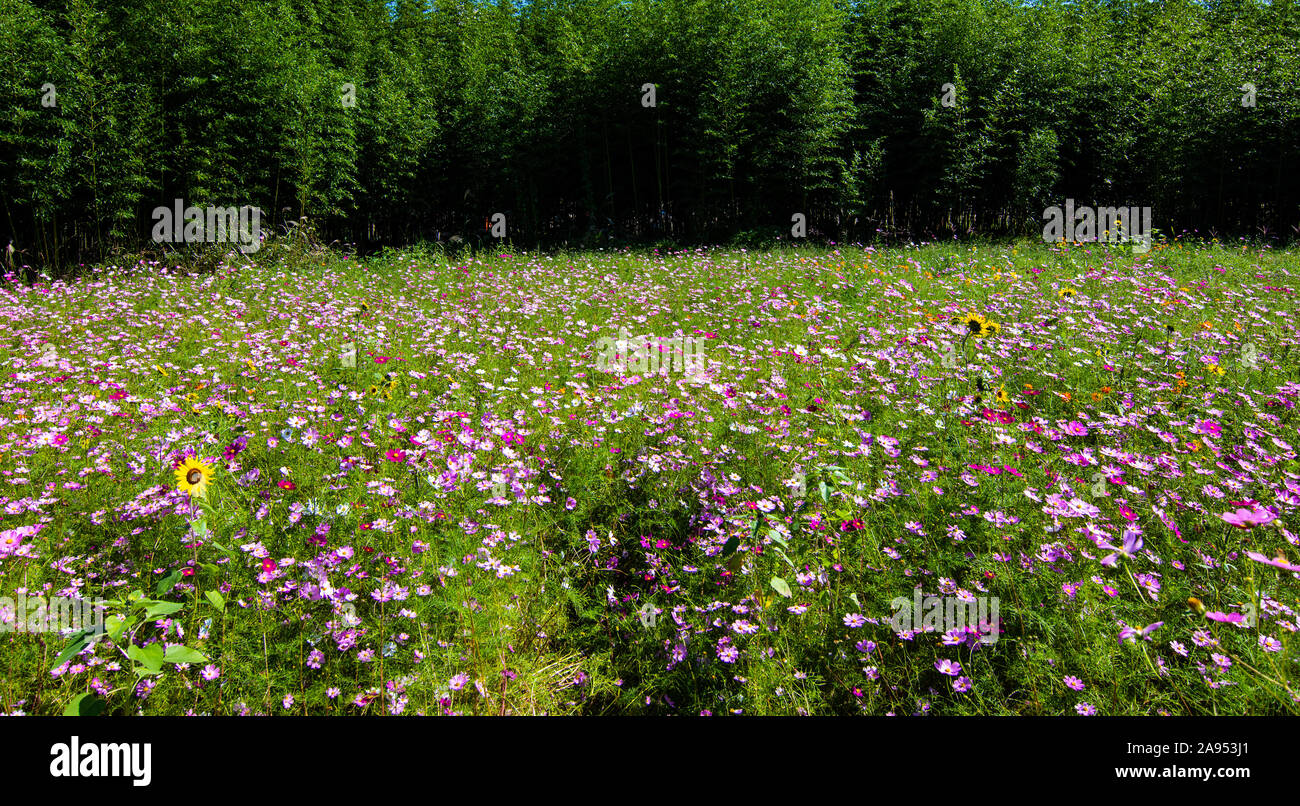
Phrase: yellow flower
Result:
[1066,292]
[979,327]
[1216,369]
[192,477]
[160,369]
[1002,396]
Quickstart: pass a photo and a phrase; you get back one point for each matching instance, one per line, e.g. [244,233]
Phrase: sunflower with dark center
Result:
[979,327]
[193,476]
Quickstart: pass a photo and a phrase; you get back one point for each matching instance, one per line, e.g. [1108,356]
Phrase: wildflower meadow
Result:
[656,481]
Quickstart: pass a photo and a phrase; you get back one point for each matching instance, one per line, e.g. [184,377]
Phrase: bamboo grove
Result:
[591,121]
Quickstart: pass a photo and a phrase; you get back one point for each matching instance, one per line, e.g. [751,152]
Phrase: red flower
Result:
[287,485]
[268,565]
[396,456]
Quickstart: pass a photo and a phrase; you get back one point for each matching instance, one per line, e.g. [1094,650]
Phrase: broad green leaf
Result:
[183,654]
[150,657]
[729,547]
[117,625]
[218,601]
[162,609]
[166,583]
[78,641]
[778,537]
[781,586]
[821,487]
[85,704]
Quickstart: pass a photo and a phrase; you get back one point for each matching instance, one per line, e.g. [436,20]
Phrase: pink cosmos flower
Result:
[1248,518]
[1276,563]
[1076,428]
[1208,427]
[949,667]
[396,456]
[1233,618]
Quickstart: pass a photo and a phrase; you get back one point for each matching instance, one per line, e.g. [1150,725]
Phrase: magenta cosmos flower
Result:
[1248,518]
[1276,563]
[1076,428]
[1209,428]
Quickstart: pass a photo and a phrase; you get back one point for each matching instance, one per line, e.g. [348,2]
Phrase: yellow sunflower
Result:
[1066,292]
[192,476]
[979,327]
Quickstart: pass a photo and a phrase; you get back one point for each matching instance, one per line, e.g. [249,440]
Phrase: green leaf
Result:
[150,657]
[821,486]
[183,654]
[222,548]
[166,583]
[781,586]
[854,598]
[157,609]
[78,641]
[758,524]
[778,537]
[788,561]
[85,704]
[218,601]
[730,546]
[117,625]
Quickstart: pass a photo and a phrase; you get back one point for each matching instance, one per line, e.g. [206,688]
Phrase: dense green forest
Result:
[685,120]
